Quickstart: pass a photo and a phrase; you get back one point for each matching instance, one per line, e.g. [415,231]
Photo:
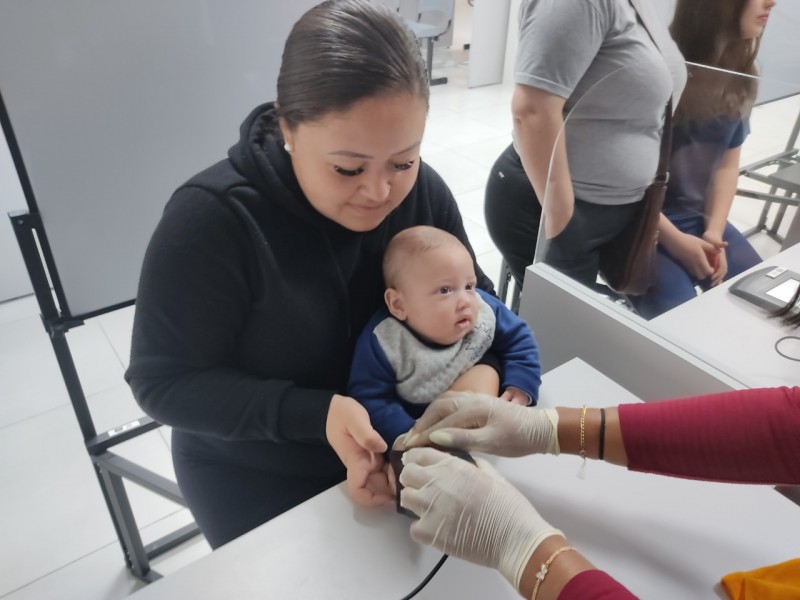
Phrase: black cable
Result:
[786,356]
[425,581]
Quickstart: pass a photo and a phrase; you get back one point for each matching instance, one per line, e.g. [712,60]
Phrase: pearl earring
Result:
[288,147]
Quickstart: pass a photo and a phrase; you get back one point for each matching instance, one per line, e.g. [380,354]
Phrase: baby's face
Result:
[438,294]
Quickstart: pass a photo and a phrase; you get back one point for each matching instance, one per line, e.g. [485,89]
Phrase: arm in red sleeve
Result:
[745,436]
[594,585]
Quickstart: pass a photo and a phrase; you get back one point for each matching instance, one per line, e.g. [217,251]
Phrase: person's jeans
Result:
[674,284]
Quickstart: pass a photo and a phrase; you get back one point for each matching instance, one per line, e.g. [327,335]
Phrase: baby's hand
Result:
[516,396]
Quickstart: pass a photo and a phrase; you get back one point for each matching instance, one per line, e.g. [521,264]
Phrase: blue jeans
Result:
[674,284]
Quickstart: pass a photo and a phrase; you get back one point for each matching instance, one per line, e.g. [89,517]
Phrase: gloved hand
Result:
[478,422]
[471,512]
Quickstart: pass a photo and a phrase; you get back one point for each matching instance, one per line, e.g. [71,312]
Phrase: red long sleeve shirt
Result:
[746,436]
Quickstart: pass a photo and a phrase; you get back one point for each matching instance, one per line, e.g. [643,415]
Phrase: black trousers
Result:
[513,215]
[229,497]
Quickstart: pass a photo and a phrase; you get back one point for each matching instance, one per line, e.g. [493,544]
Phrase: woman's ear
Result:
[394,302]
[286,132]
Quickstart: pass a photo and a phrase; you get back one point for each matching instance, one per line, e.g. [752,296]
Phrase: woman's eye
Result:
[348,172]
[404,166]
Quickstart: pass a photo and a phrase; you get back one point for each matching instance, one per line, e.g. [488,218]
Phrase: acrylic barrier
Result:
[730,210]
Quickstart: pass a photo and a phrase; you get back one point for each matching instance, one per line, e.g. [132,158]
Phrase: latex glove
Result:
[693,254]
[479,422]
[470,512]
[361,449]
[719,261]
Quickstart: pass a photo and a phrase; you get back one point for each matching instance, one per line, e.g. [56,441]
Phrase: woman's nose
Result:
[376,186]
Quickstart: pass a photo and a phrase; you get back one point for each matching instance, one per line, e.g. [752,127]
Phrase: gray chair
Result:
[786,179]
[441,14]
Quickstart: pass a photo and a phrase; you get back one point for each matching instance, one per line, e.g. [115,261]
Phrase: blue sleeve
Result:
[373,383]
[516,348]
[740,133]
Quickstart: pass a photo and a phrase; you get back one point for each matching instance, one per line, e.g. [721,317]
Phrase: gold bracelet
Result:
[545,569]
[583,433]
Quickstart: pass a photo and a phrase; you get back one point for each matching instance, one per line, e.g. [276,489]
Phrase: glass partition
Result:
[731,204]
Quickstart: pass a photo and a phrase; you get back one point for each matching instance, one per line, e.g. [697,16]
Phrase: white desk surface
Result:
[662,537]
[733,335]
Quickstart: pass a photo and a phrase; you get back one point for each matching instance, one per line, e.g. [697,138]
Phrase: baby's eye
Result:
[445,289]
[404,166]
[348,172]
[469,287]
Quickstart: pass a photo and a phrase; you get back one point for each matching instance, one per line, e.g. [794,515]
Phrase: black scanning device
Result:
[396,460]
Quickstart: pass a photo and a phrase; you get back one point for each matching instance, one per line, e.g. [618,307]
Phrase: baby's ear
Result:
[394,302]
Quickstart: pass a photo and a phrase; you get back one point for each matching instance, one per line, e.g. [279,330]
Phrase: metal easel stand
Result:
[111,469]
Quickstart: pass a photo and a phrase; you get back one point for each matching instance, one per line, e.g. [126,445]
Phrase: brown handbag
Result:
[628,261]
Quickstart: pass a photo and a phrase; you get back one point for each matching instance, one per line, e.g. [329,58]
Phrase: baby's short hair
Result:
[410,243]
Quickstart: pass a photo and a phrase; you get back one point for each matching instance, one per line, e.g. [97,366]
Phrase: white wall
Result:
[115,104]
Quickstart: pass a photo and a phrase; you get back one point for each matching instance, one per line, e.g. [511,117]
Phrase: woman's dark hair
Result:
[708,32]
[344,51]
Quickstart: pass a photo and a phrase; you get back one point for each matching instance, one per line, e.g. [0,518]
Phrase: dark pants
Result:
[513,215]
[229,499]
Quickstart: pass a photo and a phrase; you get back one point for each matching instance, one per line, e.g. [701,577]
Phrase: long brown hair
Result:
[708,32]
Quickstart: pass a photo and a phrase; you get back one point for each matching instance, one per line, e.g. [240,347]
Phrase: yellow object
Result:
[776,582]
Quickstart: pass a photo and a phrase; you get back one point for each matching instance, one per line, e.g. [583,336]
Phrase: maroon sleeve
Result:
[594,585]
[745,436]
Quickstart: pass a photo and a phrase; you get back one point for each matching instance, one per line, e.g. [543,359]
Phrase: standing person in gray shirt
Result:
[598,59]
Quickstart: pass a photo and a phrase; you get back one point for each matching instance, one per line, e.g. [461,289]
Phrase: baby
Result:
[436,326]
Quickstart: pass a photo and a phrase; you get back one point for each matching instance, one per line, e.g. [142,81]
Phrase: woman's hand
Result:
[693,253]
[470,512]
[478,422]
[360,448]
[720,262]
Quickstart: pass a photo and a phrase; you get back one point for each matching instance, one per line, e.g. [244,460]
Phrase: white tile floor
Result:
[56,539]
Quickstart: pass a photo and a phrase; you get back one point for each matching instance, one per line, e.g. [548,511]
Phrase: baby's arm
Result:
[373,384]
[515,346]
[480,378]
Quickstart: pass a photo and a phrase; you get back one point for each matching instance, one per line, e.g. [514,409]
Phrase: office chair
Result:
[506,280]
[443,11]
[785,178]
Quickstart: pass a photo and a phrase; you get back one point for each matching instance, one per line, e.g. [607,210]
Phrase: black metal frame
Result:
[784,159]
[506,280]
[111,469]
